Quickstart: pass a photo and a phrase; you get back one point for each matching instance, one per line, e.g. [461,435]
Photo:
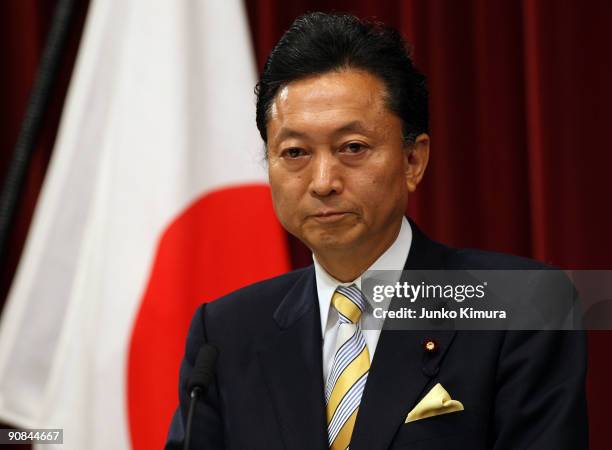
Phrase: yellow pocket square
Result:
[436,402]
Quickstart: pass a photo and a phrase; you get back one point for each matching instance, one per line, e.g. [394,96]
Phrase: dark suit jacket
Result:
[520,390]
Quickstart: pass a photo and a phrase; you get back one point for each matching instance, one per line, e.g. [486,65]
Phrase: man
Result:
[343,113]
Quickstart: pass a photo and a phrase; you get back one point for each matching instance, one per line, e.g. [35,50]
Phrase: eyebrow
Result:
[356,126]
[287,133]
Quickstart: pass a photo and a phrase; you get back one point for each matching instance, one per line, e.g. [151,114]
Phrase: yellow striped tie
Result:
[349,372]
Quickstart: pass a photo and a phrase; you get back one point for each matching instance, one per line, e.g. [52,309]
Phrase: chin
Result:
[330,238]
[330,242]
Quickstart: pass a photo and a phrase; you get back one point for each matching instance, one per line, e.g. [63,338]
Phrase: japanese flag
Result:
[155,201]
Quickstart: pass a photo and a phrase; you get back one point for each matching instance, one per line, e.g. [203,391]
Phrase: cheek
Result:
[383,191]
[279,200]
[284,197]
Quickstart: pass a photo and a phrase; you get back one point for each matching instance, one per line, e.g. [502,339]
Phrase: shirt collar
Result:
[393,258]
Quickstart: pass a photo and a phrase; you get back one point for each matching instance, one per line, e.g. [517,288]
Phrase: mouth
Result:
[329,216]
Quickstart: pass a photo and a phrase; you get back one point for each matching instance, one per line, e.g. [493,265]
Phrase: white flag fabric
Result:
[155,201]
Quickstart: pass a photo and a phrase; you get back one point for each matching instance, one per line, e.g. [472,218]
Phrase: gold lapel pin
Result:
[430,346]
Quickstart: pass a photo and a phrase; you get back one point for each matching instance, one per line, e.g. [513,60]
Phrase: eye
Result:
[354,147]
[293,153]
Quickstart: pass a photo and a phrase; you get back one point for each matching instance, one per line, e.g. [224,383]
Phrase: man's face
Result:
[339,170]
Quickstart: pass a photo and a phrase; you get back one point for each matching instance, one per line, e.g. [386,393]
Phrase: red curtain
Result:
[520,153]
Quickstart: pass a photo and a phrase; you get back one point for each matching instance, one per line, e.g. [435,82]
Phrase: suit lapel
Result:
[292,366]
[401,369]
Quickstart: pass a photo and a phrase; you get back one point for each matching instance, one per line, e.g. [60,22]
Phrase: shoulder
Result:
[530,277]
[250,308]
[264,294]
[241,319]
[426,253]
[459,258]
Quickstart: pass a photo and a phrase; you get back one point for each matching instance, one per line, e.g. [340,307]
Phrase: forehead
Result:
[329,100]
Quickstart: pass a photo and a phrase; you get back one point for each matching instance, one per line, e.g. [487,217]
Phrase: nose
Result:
[326,175]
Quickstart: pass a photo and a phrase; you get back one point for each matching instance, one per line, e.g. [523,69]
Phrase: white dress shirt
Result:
[393,258]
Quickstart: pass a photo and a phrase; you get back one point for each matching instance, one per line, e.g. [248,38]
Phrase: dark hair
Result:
[317,43]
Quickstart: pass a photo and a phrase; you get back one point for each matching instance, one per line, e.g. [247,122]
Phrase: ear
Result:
[417,156]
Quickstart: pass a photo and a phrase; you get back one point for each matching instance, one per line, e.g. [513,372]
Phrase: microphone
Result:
[201,377]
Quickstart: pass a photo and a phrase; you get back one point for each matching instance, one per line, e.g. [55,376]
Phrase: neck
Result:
[347,265]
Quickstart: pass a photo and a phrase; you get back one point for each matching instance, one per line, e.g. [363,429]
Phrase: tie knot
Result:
[349,302]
